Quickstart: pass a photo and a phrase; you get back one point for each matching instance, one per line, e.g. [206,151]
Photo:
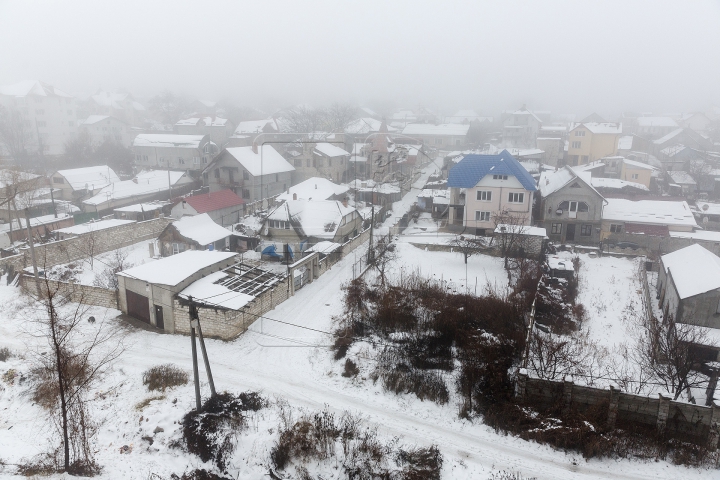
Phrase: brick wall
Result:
[696,423]
[75,248]
[86,294]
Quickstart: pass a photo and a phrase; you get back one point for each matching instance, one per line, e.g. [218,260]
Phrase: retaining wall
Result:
[86,294]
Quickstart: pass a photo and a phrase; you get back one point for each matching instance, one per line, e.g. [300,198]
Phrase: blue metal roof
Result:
[471,169]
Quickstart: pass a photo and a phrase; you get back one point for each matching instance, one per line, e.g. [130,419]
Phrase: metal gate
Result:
[138,306]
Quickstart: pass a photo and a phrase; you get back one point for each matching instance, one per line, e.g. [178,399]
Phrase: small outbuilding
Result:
[197,232]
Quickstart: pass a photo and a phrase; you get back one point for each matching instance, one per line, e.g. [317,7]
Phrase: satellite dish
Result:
[705,206]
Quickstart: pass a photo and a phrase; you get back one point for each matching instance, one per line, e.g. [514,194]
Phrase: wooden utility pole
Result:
[195,324]
[32,250]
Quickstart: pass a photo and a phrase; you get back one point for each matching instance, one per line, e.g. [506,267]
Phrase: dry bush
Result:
[212,432]
[420,463]
[161,377]
[400,376]
[199,474]
[45,390]
[503,475]
[5,354]
[351,369]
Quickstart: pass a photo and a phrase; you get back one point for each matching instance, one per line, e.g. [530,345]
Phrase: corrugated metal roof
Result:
[468,172]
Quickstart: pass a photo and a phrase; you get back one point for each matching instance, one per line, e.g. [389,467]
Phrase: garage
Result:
[138,306]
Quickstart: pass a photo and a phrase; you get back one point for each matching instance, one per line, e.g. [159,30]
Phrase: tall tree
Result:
[15,132]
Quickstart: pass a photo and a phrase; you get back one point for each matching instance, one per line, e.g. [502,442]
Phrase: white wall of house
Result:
[504,195]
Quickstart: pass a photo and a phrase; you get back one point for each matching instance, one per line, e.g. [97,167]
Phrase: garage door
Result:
[138,306]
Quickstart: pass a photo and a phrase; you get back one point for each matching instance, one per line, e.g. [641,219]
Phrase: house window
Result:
[162,159]
[298,163]
[175,248]
[329,163]
[584,159]
[634,176]
[500,177]
[246,193]
[484,196]
[616,228]
[515,197]
[277,178]
[579,133]
[457,142]
[438,141]
[217,173]
[145,157]
[308,163]
[57,180]
[204,159]
[196,160]
[246,175]
[181,161]
[576,144]
[138,158]
[586,230]
[482,216]
[556,228]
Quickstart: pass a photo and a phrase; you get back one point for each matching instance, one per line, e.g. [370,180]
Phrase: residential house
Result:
[302,223]
[647,217]
[315,188]
[467,117]
[146,186]
[654,127]
[636,172]
[120,105]
[78,183]
[442,137]
[320,160]
[688,286]
[143,211]
[521,129]
[588,142]
[196,232]
[697,122]
[103,128]
[709,182]
[253,173]
[493,185]
[571,208]
[147,292]
[679,157]
[376,193]
[681,183]
[224,207]
[362,127]
[435,201]
[218,129]
[553,149]
[683,136]
[246,132]
[48,115]
[171,151]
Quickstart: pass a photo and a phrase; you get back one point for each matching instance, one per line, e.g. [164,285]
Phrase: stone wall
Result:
[86,294]
[696,423]
[75,248]
[655,246]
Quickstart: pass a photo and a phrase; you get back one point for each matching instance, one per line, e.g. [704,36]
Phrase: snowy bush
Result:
[165,376]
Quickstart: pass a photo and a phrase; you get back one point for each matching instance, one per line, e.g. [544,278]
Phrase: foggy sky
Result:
[568,56]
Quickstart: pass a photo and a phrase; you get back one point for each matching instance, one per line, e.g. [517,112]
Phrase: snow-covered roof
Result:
[430,129]
[96,177]
[210,291]
[143,207]
[314,188]
[552,181]
[625,143]
[525,111]
[636,164]
[559,263]
[600,128]
[365,126]
[255,126]
[694,270]
[114,99]
[324,247]
[93,226]
[9,177]
[525,152]
[521,230]
[673,150]
[656,122]
[668,137]
[681,177]
[166,140]
[708,208]
[207,121]
[272,161]
[330,150]
[144,183]
[657,212]
[174,269]
[439,196]
[31,87]
[706,235]
[35,221]
[201,229]
[616,183]
[319,219]
[93,119]
[211,201]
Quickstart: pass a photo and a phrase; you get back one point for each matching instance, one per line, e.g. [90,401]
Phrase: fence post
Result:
[714,432]
[663,410]
[567,393]
[521,384]
[613,407]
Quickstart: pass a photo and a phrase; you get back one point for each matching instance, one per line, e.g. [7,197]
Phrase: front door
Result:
[570,233]
[159,322]
[572,211]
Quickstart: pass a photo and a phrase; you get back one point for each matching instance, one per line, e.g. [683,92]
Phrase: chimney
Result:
[254,147]
[345,202]
[294,196]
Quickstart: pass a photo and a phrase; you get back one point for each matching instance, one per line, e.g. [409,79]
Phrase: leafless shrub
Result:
[161,377]
[117,262]
[555,357]
[351,369]
[5,354]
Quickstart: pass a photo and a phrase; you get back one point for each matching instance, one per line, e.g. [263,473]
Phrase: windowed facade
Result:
[586,230]
[516,197]
[482,216]
[576,144]
[579,133]
[556,228]
[500,177]
[616,228]
[484,196]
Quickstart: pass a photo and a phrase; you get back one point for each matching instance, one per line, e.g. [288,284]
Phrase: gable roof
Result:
[656,212]
[200,228]
[144,183]
[174,269]
[552,181]
[97,176]
[266,161]
[600,128]
[656,122]
[472,168]
[92,119]
[694,270]
[314,188]
[330,150]
[319,219]
[211,201]
[31,87]
[255,126]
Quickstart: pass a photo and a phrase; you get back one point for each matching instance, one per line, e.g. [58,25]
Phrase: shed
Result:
[197,232]
[223,206]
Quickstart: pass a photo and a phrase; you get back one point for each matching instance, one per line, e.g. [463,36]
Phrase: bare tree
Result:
[510,228]
[15,132]
[118,262]
[18,190]
[339,116]
[467,246]
[554,357]
[303,119]
[79,354]
[384,255]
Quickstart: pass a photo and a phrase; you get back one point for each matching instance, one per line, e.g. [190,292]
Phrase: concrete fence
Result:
[695,423]
[75,292]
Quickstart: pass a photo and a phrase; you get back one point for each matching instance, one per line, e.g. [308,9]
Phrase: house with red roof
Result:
[223,206]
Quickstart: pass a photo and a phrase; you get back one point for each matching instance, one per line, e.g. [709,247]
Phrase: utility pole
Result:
[32,249]
[195,323]
[52,199]
[371,252]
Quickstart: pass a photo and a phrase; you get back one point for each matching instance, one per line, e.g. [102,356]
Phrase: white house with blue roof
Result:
[492,184]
